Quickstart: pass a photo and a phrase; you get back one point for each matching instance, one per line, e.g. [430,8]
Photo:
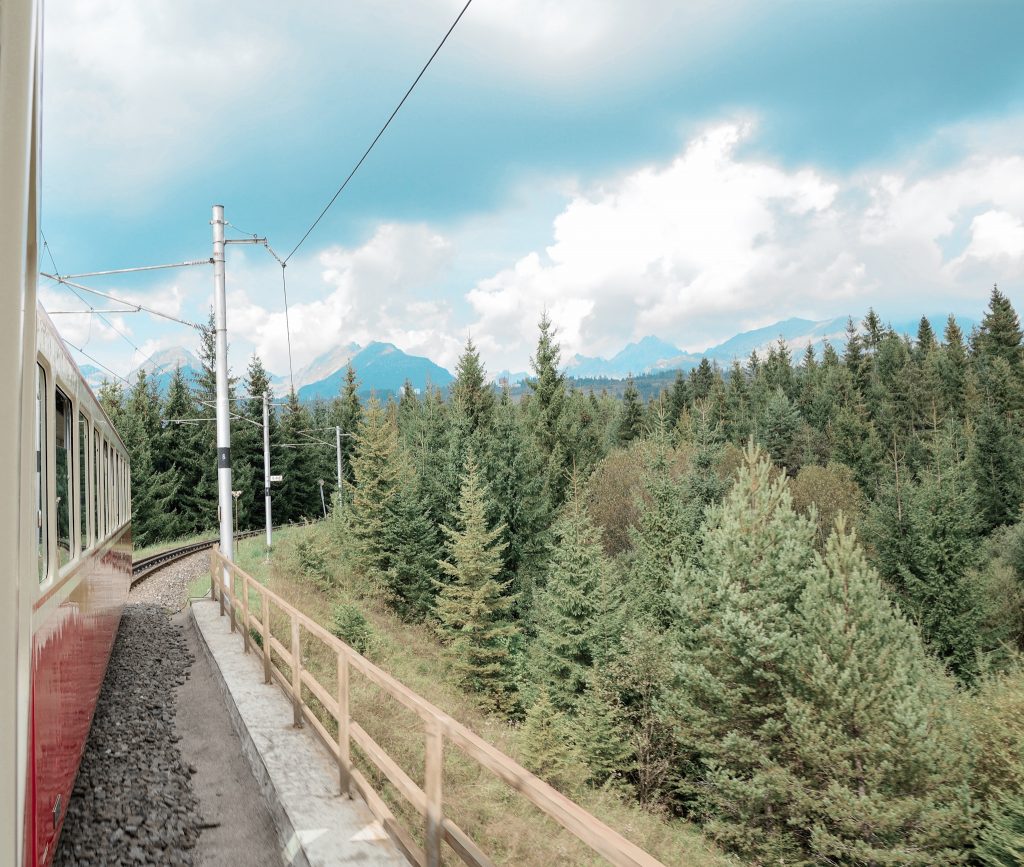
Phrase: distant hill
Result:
[320,368]
[649,353]
[381,368]
[161,366]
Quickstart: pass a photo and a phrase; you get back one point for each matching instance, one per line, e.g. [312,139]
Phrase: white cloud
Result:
[715,242]
[135,92]
[383,290]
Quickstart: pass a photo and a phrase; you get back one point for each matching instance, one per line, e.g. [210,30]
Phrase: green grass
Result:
[159,547]
[505,825]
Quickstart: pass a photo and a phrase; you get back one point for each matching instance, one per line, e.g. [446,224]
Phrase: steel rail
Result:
[143,568]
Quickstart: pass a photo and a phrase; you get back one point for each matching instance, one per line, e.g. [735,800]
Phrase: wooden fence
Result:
[438,727]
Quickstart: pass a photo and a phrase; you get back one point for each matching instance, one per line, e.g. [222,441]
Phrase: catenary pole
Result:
[224,499]
[266,465]
[337,436]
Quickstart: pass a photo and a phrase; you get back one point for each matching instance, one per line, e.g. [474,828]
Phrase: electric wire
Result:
[92,310]
[132,304]
[96,361]
[366,153]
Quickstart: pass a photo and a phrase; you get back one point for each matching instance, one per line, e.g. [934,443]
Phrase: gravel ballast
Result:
[133,801]
[169,586]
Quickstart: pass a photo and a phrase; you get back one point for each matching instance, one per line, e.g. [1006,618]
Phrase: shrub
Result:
[348,624]
[313,562]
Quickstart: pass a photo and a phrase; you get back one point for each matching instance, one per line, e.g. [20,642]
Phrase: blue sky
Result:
[687,169]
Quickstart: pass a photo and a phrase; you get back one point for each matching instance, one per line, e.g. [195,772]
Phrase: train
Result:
[65,513]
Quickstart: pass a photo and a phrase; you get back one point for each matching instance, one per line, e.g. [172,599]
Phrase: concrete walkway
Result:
[315,826]
[237,829]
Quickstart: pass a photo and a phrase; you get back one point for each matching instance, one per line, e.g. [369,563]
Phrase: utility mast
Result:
[266,464]
[224,499]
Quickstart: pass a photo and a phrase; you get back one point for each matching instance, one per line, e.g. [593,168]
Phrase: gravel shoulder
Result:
[163,780]
[168,587]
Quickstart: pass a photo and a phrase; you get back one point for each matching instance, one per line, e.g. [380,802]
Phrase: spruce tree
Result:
[1000,333]
[548,747]
[376,490]
[667,534]
[471,392]
[347,414]
[577,611]
[177,449]
[471,604]
[679,399]
[299,494]
[513,471]
[631,414]
[414,546]
[782,658]
[875,760]
[545,407]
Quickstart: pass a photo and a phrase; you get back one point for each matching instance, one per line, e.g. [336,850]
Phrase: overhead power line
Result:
[96,361]
[135,305]
[387,123]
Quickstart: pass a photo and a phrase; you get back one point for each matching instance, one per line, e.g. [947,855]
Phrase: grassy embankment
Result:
[159,547]
[506,826]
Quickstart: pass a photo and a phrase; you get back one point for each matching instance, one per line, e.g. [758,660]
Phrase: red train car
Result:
[65,506]
[83,572]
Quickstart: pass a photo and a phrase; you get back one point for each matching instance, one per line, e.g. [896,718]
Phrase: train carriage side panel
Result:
[84,576]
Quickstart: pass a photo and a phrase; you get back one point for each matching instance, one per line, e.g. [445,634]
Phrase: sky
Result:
[685,169]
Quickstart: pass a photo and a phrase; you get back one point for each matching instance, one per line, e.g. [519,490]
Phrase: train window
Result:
[97,518]
[105,498]
[41,510]
[83,482]
[63,465]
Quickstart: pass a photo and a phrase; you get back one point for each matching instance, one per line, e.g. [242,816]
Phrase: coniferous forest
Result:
[784,600]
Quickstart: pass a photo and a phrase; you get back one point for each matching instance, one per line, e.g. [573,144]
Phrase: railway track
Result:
[142,569]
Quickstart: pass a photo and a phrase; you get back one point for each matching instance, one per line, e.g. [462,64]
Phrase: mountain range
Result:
[383,368]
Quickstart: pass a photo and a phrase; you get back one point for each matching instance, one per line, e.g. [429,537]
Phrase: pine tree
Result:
[414,547]
[1000,333]
[299,494]
[679,399]
[600,731]
[177,449]
[702,379]
[778,426]
[854,358]
[513,473]
[548,748]
[471,605]
[545,407]
[347,414]
[781,659]
[667,534]
[926,342]
[927,535]
[953,369]
[877,765]
[376,491]
[631,415]
[471,392]
[576,612]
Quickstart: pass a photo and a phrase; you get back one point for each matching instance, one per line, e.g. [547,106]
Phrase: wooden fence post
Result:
[232,593]
[217,578]
[245,611]
[265,605]
[296,671]
[344,754]
[432,789]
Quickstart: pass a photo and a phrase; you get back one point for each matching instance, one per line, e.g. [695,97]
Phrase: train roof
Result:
[51,345]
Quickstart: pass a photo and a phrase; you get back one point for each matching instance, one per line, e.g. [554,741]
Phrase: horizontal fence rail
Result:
[439,729]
